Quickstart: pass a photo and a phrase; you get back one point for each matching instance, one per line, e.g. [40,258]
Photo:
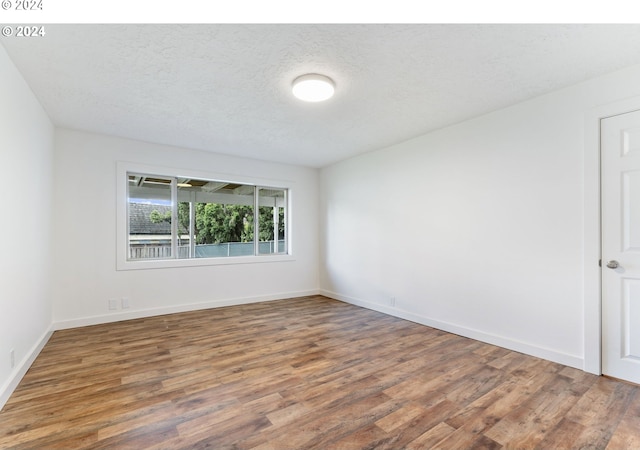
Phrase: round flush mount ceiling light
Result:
[313,87]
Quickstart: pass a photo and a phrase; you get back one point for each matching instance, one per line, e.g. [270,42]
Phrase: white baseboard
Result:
[561,358]
[140,313]
[21,369]
[511,344]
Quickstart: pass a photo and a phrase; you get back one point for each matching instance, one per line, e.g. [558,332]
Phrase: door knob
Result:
[613,264]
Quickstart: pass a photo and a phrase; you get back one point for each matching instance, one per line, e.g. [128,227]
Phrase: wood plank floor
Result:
[300,374]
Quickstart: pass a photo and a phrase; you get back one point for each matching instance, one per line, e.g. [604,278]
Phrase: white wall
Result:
[85,228]
[26,159]
[477,228]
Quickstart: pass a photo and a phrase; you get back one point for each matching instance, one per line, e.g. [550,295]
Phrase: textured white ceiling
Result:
[226,88]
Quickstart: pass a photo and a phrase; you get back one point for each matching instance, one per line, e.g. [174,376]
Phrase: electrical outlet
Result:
[12,357]
[125,302]
[392,301]
[113,303]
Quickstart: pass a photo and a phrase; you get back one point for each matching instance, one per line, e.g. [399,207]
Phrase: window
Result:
[177,218]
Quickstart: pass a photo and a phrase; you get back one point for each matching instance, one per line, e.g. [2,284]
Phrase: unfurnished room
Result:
[320,236]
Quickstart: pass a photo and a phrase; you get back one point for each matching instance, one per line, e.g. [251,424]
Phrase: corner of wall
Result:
[7,389]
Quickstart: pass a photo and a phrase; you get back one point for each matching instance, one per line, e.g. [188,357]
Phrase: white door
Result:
[620,153]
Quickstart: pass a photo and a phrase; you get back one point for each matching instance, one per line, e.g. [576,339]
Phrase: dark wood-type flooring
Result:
[300,374]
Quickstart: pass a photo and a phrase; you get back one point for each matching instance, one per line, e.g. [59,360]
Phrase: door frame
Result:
[592,247]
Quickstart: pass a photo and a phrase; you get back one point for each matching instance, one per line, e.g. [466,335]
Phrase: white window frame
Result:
[122,234]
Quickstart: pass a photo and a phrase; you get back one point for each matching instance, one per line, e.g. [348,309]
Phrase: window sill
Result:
[199,262]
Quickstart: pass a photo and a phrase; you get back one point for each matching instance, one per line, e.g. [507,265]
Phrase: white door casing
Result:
[620,203]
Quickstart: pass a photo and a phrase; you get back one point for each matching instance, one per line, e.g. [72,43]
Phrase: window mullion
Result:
[192,225]
[275,215]
[256,220]
[285,206]
[174,218]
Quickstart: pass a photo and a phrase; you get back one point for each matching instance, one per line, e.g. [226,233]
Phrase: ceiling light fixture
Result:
[313,87]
